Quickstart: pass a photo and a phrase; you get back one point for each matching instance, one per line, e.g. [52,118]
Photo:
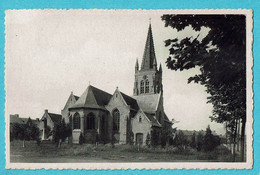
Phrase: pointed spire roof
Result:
[160,68]
[149,54]
[136,64]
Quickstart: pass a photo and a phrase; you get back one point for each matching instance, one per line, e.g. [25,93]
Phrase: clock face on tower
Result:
[145,76]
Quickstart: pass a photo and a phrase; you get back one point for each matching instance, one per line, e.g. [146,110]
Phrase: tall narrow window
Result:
[142,87]
[76,121]
[146,86]
[116,120]
[90,121]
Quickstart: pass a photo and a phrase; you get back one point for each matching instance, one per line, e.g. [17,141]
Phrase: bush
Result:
[180,141]
[148,140]
[155,138]
[81,139]
[210,141]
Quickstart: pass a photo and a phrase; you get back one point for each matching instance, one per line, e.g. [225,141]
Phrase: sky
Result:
[50,53]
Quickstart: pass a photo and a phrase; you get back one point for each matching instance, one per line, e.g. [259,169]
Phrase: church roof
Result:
[153,120]
[149,54]
[56,118]
[92,98]
[130,101]
[148,103]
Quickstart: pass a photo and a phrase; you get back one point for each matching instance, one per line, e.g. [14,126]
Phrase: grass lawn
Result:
[49,153]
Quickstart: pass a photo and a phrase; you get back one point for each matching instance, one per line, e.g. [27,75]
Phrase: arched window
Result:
[140,119]
[142,87]
[90,121]
[76,121]
[146,86]
[116,120]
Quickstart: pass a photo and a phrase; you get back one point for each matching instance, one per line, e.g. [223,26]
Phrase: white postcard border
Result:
[163,165]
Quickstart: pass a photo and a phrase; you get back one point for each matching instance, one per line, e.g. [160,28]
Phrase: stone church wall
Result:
[65,110]
[117,102]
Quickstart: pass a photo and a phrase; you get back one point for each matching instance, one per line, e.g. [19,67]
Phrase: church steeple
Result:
[136,66]
[149,58]
[148,79]
[160,68]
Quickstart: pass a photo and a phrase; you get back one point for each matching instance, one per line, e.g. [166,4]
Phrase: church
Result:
[120,118]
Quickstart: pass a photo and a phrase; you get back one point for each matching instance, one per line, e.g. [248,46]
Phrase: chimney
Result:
[46,111]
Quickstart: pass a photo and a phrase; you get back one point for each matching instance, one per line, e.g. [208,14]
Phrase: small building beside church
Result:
[118,117]
[47,124]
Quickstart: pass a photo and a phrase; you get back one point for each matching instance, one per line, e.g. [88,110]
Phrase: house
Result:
[118,117]
[47,124]
[14,119]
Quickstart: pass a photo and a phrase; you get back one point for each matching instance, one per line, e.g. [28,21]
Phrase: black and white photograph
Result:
[119,89]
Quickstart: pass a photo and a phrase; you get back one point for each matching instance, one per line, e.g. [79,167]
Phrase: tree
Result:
[154,138]
[209,143]
[200,141]
[181,141]
[34,133]
[164,137]
[25,132]
[48,131]
[193,140]
[148,140]
[131,137]
[61,131]
[221,58]
[21,132]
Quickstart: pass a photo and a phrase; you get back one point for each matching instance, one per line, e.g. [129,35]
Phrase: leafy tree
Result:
[61,131]
[25,132]
[21,132]
[34,133]
[48,131]
[200,141]
[148,140]
[164,138]
[131,137]
[221,58]
[154,138]
[181,141]
[193,140]
[209,143]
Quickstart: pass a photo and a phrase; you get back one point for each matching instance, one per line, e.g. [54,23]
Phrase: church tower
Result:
[148,79]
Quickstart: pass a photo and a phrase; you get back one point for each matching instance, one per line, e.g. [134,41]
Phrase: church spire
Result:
[149,58]
[154,64]
[136,66]
[160,68]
